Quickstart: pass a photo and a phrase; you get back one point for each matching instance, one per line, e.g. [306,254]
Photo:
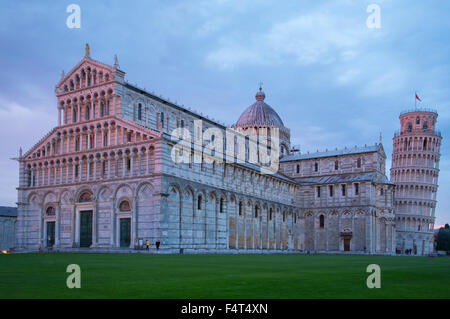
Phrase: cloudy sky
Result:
[334,81]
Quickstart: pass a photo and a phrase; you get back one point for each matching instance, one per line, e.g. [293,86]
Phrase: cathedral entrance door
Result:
[50,234]
[347,244]
[86,228]
[125,232]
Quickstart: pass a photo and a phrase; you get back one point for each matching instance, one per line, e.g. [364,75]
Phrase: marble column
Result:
[147,168]
[57,224]
[68,142]
[95,168]
[61,173]
[113,223]
[123,164]
[134,223]
[109,166]
[88,169]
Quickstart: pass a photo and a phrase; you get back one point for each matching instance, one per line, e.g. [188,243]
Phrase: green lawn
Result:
[221,276]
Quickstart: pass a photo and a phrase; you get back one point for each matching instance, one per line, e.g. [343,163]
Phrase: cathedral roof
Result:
[259,114]
[8,211]
[346,151]
[345,178]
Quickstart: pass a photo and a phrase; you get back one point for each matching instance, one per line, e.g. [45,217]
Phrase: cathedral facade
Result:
[112,174]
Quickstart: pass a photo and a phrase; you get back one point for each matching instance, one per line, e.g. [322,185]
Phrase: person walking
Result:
[157,244]
[147,244]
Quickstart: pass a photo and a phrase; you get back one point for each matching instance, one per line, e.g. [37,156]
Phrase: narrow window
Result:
[240,208]
[128,164]
[29,177]
[336,165]
[256,211]
[221,205]
[298,168]
[357,189]
[199,202]
[270,214]
[358,162]
[343,190]
[316,167]
[417,120]
[381,191]
[86,113]
[322,221]
[318,191]
[284,216]
[331,190]
[105,139]
[129,137]
[139,112]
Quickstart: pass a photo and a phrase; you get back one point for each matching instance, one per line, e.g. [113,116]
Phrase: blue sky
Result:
[333,81]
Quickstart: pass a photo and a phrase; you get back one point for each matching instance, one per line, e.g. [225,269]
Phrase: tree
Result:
[443,238]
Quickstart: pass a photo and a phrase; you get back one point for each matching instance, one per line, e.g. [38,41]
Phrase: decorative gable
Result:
[87,73]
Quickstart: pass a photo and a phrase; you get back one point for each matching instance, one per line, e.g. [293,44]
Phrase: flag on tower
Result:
[417,98]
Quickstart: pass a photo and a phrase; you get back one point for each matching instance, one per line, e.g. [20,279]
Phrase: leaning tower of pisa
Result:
[415,170]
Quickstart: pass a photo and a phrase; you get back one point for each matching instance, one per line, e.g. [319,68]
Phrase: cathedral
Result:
[124,166]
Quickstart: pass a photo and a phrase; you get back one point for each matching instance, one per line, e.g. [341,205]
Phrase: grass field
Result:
[221,276]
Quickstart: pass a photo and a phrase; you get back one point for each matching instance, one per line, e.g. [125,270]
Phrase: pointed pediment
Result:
[44,143]
[87,72]
[51,137]
[381,149]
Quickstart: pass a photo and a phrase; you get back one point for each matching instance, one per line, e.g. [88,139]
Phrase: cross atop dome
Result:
[260,96]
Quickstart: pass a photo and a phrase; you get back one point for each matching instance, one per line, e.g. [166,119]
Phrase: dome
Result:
[259,114]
